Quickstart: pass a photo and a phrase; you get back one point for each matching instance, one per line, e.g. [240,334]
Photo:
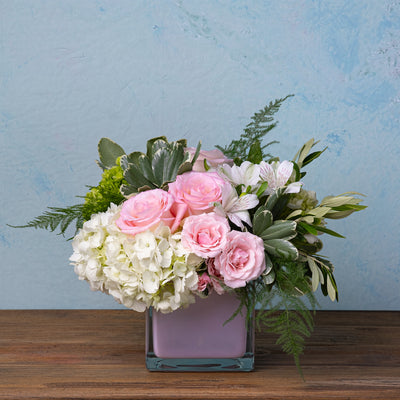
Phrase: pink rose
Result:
[242,260]
[205,234]
[145,211]
[204,280]
[214,158]
[194,192]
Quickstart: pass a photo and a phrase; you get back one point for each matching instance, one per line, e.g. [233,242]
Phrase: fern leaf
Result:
[262,123]
[56,218]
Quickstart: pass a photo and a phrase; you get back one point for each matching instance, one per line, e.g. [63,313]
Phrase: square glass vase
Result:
[198,338]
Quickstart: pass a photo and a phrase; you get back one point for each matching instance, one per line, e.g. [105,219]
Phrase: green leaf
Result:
[182,142]
[315,273]
[135,178]
[331,289]
[255,155]
[295,214]
[160,166]
[347,207]
[281,248]
[309,228]
[268,264]
[262,189]
[280,230]
[303,152]
[196,154]
[272,200]
[132,158]
[297,170]
[185,167]
[151,147]
[145,167]
[109,151]
[312,156]
[262,220]
[337,201]
[167,161]
[319,212]
[328,231]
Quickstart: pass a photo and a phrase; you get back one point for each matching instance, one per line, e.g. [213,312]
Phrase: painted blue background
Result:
[72,72]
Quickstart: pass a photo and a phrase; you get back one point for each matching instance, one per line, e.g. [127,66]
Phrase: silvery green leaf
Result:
[269,278]
[319,212]
[321,277]
[281,248]
[273,198]
[109,151]
[303,152]
[336,201]
[182,142]
[159,165]
[268,264]
[185,167]
[154,144]
[135,178]
[315,273]
[132,158]
[262,220]
[295,213]
[309,219]
[280,230]
[339,214]
[127,190]
[331,289]
[145,167]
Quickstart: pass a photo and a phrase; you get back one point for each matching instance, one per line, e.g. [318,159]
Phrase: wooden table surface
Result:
[99,354]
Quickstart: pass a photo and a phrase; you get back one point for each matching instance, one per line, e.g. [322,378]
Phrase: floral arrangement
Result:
[165,227]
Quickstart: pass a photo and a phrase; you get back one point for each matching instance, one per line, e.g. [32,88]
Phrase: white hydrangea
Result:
[148,269]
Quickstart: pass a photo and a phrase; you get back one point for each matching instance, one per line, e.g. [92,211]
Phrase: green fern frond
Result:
[57,218]
[262,123]
[286,309]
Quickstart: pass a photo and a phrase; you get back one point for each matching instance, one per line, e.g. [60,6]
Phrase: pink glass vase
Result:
[198,338]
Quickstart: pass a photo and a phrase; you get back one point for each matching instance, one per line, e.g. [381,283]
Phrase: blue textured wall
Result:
[72,72]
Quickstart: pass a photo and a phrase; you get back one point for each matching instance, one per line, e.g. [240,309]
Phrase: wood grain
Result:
[99,354]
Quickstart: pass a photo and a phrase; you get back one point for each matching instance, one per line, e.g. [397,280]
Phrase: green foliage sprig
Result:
[56,217]
[160,165]
[255,131]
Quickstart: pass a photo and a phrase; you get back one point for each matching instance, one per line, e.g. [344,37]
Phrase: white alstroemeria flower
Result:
[246,174]
[236,207]
[277,175]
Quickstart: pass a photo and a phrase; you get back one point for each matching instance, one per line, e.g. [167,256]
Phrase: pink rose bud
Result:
[205,234]
[145,211]
[197,191]
[215,277]
[204,280]
[213,158]
[242,260]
